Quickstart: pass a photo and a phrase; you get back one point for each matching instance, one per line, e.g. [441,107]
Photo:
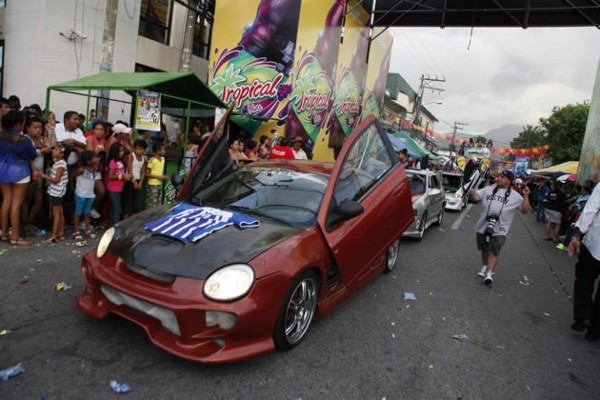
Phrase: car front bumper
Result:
[177,317]
[454,203]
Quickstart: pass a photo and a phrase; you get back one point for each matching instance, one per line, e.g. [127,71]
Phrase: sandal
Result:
[3,238]
[77,236]
[20,242]
[62,238]
[91,234]
[49,241]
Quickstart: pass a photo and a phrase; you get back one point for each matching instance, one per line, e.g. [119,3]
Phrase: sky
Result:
[508,75]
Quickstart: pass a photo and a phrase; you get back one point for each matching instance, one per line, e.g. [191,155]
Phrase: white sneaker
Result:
[94,214]
[488,279]
[482,272]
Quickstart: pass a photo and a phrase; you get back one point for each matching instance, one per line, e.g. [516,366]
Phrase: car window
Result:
[435,183]
[290,196]
[417,184]
[365,164]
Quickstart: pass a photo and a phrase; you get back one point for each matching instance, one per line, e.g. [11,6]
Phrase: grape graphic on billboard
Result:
[254,74]
[313,90]
[379,65]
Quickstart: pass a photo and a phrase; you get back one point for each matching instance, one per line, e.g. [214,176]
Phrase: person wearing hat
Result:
[297,143]
[499,204]
[121,135]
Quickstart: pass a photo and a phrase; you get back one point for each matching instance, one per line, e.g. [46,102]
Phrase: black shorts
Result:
[56,201]
[493,246]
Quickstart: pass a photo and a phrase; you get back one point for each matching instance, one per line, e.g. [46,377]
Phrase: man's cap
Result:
[509,174]
[298,139]
[121,128]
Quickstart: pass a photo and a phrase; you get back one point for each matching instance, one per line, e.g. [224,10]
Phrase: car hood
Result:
[163,254]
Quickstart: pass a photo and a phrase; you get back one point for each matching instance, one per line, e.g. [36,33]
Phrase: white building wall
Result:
[37,56]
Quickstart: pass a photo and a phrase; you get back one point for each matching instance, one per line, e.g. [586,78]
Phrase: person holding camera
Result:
[500,202]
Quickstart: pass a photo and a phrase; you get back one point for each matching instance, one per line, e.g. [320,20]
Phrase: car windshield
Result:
[451,183]
[288,196]
[417,184]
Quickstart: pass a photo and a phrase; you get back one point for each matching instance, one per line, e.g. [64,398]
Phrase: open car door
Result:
[213,160]
[367,204]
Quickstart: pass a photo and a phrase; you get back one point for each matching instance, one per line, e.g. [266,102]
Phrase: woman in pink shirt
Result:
[116,180]
[96,142]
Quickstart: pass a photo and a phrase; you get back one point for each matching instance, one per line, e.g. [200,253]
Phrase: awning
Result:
[569,167]
[414,147]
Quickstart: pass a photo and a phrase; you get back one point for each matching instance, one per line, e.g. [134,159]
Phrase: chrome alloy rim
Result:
[301,310]
[392,255]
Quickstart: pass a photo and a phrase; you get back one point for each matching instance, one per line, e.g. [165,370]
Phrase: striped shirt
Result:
[59,189]
[192,223]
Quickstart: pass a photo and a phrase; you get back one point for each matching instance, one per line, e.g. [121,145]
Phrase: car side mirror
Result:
[342,212]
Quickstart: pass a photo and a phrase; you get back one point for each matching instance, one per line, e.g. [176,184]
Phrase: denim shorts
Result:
[83,205]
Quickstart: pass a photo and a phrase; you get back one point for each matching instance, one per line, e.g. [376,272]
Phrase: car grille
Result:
[166,317]
[154,275]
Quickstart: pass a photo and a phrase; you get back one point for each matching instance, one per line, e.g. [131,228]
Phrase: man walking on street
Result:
[499,202]
[586,311]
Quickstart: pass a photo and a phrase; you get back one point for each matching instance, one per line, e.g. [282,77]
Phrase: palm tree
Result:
[530,136]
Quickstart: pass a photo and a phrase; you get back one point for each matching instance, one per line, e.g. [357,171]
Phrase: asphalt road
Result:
[376,345]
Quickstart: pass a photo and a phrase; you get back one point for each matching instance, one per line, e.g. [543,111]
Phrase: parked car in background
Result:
[249,257]
[454,189]
[428,201]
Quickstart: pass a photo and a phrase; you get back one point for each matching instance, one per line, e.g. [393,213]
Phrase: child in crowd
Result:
[132,192]
[116,180]
[57,189]
[85,178]
[154,171]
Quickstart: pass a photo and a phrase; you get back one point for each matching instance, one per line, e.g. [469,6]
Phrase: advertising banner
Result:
[589,162]
[252,60]
[379,65]
[147,111]
[520,167]
[312,95]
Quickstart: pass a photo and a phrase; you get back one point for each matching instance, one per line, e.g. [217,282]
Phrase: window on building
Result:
[1,66]
[2,3]
[155,20]
[205,13]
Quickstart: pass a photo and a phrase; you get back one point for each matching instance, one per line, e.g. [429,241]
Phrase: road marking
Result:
[461,217]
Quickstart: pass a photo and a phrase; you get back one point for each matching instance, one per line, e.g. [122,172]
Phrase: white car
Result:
[428,201]
[454,188]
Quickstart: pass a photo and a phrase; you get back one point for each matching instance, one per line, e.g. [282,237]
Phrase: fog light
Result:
[225,320]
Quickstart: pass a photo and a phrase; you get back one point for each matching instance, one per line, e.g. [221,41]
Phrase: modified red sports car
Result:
[249,257]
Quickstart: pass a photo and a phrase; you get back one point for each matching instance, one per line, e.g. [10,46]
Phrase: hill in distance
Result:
[504,135]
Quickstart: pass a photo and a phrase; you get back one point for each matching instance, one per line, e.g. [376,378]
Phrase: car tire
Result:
[391,257]
[440,217]
[422,226]
[297,311]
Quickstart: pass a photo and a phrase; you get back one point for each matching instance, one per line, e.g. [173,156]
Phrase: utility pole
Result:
[108,49]
[188,41]
[426,83]
[457,125]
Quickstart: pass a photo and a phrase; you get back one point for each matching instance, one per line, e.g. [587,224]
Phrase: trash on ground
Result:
[409,296]
[7,373]
[461,337]
[546,314]
[81,243]
[120,387]
[62,286]
[524,281]
[5,332]
[23,281]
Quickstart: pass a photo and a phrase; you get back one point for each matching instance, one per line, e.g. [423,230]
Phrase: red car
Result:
[247,260]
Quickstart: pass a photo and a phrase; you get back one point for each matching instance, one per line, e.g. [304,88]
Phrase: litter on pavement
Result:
[62,286]
[409,296]
[7,373]
[524,281]
[119,387]
[461,337]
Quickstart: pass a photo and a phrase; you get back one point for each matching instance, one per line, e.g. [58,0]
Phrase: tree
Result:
[564,130]
[481,139]
[530,136]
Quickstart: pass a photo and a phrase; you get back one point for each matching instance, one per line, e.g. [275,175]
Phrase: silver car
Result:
[456,190]
[428,200]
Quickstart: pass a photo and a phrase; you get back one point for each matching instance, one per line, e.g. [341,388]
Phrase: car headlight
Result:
[229,283]
[457,195]
[105,242]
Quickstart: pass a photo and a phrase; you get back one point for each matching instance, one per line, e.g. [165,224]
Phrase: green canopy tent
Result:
[414,146]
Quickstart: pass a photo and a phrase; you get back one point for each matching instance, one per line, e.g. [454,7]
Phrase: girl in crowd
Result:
[58,179]
[116,180]
[96,142]
[234,151]
[16,154]
[85,177]
[34,196]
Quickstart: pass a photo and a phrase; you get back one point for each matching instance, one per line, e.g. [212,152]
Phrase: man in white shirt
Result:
[297,143]
[69,134]
[586,312]
[500,203]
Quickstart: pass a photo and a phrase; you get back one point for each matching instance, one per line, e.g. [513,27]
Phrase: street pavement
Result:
[376,345]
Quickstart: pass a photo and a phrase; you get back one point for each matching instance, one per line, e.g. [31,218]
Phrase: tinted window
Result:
[289,196]
[417,184]
[365,164]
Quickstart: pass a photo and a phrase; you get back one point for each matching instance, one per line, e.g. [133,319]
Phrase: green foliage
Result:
[481,139]
[564,130]
[530,136]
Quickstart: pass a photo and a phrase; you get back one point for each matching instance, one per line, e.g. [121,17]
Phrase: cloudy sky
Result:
[508,76]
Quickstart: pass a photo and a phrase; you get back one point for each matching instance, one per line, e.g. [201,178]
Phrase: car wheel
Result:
[297,311]
[391,257]
[440,217]
[422,226]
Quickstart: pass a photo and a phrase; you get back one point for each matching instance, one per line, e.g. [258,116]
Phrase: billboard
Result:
[379,65]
